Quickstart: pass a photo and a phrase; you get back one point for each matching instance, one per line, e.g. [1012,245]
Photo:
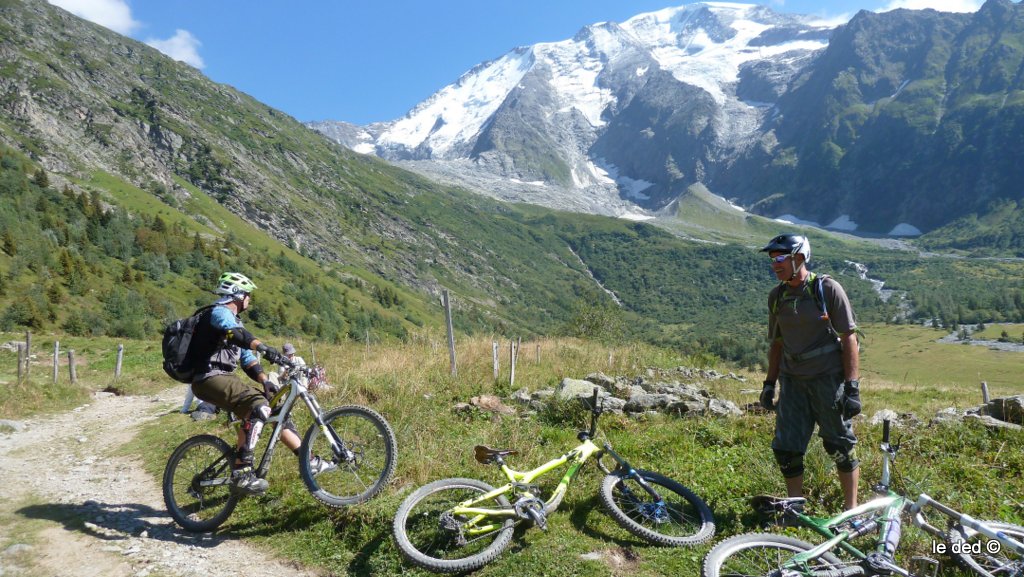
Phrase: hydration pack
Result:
[177,340]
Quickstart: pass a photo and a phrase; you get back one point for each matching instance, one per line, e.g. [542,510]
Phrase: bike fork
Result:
[338,448]
[631,472]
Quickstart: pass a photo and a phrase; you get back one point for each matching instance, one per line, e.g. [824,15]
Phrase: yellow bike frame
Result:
[476,514]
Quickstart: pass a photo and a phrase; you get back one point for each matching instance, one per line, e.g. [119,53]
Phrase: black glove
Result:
[768,395]
[271,354]
[851,399]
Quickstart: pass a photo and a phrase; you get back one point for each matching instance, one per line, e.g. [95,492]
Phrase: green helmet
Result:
[234,284]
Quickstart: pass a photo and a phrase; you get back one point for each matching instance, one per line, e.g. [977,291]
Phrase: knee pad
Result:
[254,425]
[791,463]
[845,459]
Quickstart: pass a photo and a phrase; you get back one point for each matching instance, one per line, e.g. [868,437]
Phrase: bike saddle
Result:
[487,455]
[768,504]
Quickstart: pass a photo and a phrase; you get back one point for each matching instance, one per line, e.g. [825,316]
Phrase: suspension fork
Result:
[631,472]
[337,444]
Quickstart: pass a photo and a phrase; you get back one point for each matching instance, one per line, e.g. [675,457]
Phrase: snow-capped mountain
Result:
[621,114]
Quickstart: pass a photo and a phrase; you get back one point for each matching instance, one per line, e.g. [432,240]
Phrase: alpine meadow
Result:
[129,182]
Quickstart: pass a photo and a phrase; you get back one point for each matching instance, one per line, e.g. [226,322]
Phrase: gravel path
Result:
[62,469]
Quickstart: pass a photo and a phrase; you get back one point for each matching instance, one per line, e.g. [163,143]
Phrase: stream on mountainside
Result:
[905,308]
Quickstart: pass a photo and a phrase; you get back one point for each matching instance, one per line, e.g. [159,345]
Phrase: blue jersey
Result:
[225,357]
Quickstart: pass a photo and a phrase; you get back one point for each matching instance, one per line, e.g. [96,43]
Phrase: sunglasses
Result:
[780,258]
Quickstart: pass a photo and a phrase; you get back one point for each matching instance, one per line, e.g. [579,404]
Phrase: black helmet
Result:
[790,244]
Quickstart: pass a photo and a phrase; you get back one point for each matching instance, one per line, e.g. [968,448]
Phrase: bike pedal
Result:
[922,566]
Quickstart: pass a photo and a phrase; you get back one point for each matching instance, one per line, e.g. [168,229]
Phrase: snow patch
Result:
[904,229]
[791,219]
[635,216]
[843,223]
[365,148]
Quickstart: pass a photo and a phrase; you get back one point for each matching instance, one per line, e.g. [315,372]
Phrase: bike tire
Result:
[199,508]
[425,543]
[369,436]
[759,554]
[986,563]
[683,520]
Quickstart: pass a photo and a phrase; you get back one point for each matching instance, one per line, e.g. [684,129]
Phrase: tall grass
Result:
[724,460]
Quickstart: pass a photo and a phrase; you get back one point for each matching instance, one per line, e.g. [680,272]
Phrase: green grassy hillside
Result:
[723,460]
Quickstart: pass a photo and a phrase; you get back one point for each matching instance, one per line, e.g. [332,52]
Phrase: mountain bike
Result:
[456,525]
[988,548]
[358,441]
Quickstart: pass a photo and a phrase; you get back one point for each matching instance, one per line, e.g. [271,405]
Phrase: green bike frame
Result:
[519,483]
[890,506]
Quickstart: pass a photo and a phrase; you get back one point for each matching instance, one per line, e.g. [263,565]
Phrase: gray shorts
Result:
[804,402]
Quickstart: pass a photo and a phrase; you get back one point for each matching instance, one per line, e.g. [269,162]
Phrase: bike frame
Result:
[295,388]
[890,506]
[574,459]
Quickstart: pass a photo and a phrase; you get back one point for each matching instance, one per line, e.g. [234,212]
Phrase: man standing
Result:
[814,356]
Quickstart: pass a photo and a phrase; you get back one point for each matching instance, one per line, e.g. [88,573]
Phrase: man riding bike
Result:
[219,345]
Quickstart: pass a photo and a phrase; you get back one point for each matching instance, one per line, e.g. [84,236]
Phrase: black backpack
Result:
[177,339]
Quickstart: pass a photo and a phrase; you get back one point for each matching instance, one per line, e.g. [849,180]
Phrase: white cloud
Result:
[182,46]
[112,14]
[940,5]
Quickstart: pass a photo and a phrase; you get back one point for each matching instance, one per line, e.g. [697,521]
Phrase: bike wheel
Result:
[681,518]
[365,465]
[757,554]
[430,536]
[197,483]
[986,556]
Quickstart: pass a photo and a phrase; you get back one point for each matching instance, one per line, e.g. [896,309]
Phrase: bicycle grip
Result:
[593,400]
[885,431]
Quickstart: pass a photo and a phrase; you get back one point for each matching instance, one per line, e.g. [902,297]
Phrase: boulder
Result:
[884,414]
[648,402]
[1009,409]
[602,380]
[993,423]
[572,388]
[723,408]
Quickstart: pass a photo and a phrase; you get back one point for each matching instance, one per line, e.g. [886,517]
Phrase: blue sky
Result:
[365,61]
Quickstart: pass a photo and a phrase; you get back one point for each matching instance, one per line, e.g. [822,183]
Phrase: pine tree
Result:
[41,179]
[10,245]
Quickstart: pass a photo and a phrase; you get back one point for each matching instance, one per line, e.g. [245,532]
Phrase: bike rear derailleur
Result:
[532,508]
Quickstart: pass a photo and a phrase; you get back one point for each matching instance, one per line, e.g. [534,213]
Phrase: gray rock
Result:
[613,405]
[993,423]
[573,388]
[686,408]
[723,408]
[1009,409]
[601,379]
[882,415]
[522,396]
[648,402]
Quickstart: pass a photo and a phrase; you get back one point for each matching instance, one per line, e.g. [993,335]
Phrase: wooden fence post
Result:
[538,353]
[120,358]
[21,361]
[451,334]
[56,359]
[984,393]
[512,363]
[71,366]
[494,354]
[28,350]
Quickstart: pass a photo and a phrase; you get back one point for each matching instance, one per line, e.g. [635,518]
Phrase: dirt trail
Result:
[104,515]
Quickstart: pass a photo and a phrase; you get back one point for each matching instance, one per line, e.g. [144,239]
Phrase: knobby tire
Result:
[682,520]
[199,508]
